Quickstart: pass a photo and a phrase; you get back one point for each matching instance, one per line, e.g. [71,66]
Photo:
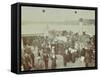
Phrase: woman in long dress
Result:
[59,61]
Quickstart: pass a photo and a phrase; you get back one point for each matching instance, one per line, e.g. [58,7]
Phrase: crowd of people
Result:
[56,50]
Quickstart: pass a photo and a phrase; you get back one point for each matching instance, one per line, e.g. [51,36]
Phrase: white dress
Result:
[59,61]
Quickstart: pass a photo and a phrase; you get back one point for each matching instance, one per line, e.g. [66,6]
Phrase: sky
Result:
[34,20]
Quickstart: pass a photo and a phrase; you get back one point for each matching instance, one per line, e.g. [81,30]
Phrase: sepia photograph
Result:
[57,38]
